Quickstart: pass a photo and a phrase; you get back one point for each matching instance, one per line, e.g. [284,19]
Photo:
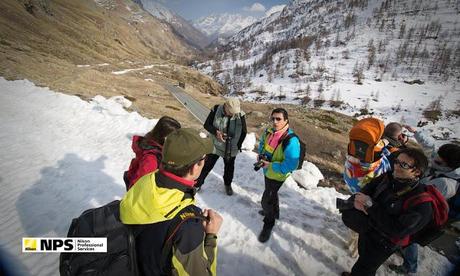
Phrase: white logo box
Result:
[64,245]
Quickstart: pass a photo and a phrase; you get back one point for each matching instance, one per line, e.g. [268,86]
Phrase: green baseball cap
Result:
[184,146]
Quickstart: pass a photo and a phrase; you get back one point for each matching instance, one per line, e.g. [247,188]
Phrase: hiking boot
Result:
[265,233]
[229,190]
[262,213]
[399,269]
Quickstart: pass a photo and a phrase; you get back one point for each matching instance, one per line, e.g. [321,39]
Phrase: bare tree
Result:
[434,110]
[371,53]
[320,88]
[402,30]
[334,75]
[308,91]
[358,73]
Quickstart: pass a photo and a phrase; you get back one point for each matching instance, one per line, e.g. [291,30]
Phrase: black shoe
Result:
[262,213]
[265,233]
[346,273]
[229,190]
[399,269]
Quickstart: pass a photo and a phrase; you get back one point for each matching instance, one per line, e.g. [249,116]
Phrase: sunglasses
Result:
[403,137]
[276,119]
[403,164]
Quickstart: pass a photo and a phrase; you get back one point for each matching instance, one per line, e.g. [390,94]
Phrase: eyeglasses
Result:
[403,164]
[276,119]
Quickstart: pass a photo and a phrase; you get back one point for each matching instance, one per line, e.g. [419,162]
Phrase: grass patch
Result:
[329,119]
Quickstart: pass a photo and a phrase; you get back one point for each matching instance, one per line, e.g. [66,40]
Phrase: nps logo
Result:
[79,245]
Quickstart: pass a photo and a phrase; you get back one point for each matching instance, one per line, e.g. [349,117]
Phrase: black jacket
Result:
[387,216]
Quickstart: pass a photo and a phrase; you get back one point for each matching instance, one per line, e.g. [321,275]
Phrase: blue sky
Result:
[193,9]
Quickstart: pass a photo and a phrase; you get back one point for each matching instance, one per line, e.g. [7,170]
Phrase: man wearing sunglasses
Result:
[277,162]
[394,137]
[378,215]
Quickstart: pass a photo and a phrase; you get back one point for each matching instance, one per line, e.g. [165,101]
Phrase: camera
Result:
[343,204]
[259,163]
[228,146]
[348,204]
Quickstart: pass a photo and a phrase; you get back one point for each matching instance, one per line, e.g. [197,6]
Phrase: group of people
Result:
[391,209]
[171,165]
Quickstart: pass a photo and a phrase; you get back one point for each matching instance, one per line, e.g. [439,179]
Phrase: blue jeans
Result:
[410,256]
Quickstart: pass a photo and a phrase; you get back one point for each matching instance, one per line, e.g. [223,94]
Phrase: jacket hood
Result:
[454,174]
[137,149]
[135,144]
[146,202]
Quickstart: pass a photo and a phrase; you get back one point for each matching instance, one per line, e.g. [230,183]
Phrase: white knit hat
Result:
[233,105]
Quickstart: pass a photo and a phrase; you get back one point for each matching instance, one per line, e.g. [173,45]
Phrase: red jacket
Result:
[146,161]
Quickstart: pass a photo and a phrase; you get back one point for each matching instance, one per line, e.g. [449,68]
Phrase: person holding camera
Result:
[381,217]
[227,125]
[277,162]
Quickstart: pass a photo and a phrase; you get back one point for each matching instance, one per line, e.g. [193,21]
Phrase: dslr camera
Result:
[348,204]
[259,163]
[343,204]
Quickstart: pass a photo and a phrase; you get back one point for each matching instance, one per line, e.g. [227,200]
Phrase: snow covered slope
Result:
[396,59]
[61,155]
[223,25]
[182,27]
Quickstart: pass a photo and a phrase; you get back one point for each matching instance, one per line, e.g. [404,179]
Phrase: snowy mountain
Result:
[62,155]
[392,58]
[182,27]
[223,25]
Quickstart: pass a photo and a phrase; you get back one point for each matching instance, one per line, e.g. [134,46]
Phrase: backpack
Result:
[365,140]
[440,215]
[120,258]
[303,148]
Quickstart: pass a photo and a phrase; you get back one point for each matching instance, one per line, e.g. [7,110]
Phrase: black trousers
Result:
[270,201]
[211,159]
[373,251]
